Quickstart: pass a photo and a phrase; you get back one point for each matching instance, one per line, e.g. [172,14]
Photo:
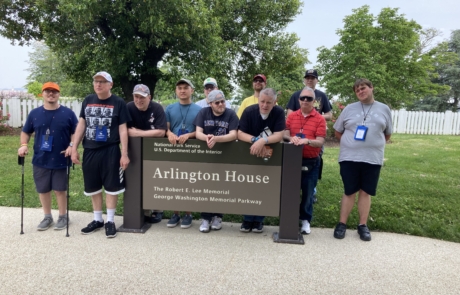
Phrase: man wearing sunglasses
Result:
[261,124]
[209,85]
[258,83]
[215,124]
[307,127]
[321,104]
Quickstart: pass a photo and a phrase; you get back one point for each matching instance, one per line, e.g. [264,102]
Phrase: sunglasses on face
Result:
[258,81]
[209,87]
[308,98]
[219,102]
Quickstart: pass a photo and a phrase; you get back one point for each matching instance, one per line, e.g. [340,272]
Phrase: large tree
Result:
[387,49]
[230,40]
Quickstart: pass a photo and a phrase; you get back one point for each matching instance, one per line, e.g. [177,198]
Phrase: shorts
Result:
[359,176]
[49,179]
[101,168]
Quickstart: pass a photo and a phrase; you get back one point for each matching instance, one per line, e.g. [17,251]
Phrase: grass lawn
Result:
[418,191]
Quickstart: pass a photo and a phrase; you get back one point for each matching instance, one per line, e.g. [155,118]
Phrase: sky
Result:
[316,26]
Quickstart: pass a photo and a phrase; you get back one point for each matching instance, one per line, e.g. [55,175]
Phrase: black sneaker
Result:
[246,226]
[364,233]
[110,230]
[257,227]
[339,231]
[92,227]
[155,217]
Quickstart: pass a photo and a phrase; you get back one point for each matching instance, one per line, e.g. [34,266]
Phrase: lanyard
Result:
[365,114]
[47,134]
[304,122]
[184,118]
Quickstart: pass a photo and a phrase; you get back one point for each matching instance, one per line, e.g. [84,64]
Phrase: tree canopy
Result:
[387,49]
[229,40]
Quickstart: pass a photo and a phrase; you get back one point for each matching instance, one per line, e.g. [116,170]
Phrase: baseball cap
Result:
[215,95]
[260,76]
[210,81]
[185,81]
[312,73]
[51,85]
[104,75]
[141,89]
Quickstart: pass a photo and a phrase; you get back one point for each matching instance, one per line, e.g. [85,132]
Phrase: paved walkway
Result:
[185,261]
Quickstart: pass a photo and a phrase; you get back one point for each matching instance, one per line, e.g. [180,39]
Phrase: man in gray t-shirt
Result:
[363,129]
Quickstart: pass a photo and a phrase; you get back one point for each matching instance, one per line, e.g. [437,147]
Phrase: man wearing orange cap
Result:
[54,127]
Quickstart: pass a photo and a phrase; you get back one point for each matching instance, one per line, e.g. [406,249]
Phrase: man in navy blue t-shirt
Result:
[54,127]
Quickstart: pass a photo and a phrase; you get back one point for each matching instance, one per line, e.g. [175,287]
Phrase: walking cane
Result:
[21,162]
[68,193]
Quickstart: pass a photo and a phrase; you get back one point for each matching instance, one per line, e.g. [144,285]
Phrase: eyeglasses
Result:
[219,102]
[209,87]
[50,91]
[100,82]
[258,81]
[308,98]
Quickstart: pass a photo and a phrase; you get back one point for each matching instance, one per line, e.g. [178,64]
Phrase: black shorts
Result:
[101,168]
[49,179]
[359,176]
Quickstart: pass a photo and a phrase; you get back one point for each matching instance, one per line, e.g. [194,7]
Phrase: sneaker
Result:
[364,233]
[339,231]
[186,221]
[62,223]
[45,224]
[246,226]
[156,217]
[175,219]
[216,223]
[305,227]
[92,227]
[204,227]
[110,230]
[257,227]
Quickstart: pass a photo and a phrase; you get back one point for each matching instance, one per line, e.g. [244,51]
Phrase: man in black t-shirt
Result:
[261,124]
[215,124]
[148,120]
[103,163]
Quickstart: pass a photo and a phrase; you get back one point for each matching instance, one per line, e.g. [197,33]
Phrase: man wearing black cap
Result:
[258,84]
[148,120]
[321,103]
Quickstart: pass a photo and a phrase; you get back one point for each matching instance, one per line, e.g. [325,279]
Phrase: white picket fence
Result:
[409,122]
[447,123]
[20,108]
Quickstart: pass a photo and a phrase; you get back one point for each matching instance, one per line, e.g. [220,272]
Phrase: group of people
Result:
[106,122]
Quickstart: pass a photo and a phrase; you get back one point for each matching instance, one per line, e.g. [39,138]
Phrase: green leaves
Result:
[383,49]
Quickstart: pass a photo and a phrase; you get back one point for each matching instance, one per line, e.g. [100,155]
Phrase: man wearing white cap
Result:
[103,164]
[210,84]
[148,120]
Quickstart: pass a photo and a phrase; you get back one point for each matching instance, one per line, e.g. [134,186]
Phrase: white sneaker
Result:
[305,227]
[216,223]
[204,227]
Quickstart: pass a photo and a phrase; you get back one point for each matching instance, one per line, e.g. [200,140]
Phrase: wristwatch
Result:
[71,144]
[309,142]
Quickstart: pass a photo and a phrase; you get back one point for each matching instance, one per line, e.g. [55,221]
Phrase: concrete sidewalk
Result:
[185,261]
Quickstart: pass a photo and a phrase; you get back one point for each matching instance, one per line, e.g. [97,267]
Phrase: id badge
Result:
[47,143]
[101,133]
[361,132]
[183,131]
[300,135]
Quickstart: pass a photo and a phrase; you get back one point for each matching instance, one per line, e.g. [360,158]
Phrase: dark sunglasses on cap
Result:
[308,98]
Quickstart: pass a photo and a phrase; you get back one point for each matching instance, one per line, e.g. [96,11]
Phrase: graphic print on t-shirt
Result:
[97,115]
[221,129]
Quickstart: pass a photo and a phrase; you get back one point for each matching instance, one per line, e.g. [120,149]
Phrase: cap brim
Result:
[141,93]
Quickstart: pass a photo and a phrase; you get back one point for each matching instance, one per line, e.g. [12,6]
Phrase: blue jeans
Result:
[209,216]
[253,218]
[309,179]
